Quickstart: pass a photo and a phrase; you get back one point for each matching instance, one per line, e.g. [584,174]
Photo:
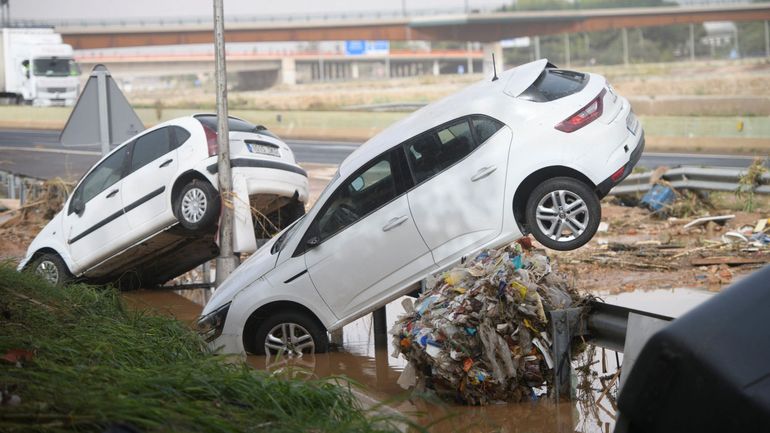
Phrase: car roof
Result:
[474,99]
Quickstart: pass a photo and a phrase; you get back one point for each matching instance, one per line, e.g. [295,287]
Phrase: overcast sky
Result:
[89,9]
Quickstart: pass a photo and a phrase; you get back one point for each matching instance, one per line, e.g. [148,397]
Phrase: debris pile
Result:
[480,332]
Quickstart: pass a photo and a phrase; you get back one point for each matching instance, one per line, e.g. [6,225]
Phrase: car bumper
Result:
[269,177]
[607,184]
[227,344]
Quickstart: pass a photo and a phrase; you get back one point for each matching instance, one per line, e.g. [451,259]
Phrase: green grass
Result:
[97,363]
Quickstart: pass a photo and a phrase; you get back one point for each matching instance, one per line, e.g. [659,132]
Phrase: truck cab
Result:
[38,68]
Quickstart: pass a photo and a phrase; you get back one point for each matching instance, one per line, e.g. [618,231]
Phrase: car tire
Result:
[563,213]
[51,268]
[197,205]
[273,336]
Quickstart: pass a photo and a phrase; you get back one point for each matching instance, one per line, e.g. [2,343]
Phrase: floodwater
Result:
[374,372]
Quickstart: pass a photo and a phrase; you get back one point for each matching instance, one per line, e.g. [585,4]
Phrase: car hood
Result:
[252,269]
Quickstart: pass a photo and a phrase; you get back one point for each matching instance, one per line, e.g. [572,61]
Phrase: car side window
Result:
[435,151]
[179,136]
[106,174]
[150,147]
[484,127]
[361,194]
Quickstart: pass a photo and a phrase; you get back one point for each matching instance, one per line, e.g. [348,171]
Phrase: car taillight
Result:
[211,140]
[584,116]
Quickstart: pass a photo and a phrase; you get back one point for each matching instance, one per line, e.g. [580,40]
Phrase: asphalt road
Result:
[38,153]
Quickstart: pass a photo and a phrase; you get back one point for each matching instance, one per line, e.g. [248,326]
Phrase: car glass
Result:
[286,236]
[149,147]
[553,84]
[102,177]
[484,127]
[179,136]
[233,124]
[358,196]
[431,153]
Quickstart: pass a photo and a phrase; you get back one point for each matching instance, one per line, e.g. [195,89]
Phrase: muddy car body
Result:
[537,147]
[149,208]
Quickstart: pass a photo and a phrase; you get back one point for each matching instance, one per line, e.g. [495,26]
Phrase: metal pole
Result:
[767,39]
[537,47]
[624,33]
[104,115]
[566,50]
[226,262]
[380,326]
[692,42]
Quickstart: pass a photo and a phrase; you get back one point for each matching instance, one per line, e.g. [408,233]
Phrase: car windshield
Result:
[286,236]
[55,67]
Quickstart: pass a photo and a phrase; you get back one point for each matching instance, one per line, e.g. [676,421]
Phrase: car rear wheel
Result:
[290,334]
[563,213]
[197,206]
[52,269]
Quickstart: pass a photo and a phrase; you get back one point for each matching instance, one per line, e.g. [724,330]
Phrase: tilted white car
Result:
[530,152]
[149,208]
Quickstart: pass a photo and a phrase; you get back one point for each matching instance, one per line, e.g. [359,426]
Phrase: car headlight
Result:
[210,326]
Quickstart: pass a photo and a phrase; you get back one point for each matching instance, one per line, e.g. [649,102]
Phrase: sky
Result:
[111,9]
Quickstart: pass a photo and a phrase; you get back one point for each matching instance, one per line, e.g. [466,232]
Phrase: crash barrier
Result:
[693,178]
[14,186]
[604,325]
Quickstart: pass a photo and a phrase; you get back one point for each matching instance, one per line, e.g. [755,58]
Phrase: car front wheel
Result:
[197,206]
[563,213]
[52,269]
[290,334]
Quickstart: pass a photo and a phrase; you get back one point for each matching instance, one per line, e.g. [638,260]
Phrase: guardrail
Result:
[19,187]
[694,178]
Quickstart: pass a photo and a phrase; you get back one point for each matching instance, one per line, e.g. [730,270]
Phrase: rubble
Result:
[480,333]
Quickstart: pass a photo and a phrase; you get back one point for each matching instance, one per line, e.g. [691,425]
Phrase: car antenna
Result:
[494,67]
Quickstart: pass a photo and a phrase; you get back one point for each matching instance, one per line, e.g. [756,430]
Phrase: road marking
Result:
[47,150]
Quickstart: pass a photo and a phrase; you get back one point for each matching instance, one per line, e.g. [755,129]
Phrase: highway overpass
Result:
[478,27]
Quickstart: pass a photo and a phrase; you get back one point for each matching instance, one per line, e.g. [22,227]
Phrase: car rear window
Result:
[553,84]
[234,124]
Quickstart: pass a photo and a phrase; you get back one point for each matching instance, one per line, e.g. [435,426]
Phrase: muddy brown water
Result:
[373,372]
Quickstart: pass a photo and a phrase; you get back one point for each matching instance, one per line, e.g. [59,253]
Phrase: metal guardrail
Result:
[14,186]
[695,178]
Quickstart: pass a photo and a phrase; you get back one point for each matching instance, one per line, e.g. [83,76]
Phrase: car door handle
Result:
[483,172]
[166,163]
[394,222]
[112,193]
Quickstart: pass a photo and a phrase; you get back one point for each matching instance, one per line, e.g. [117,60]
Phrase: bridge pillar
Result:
[624,34]
[767,39]
[354,70]
[436,68]
[566,50]
[289,71]
[536,42]
[488,49]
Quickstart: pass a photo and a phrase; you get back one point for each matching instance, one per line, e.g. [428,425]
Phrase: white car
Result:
[530,152]
[149,208]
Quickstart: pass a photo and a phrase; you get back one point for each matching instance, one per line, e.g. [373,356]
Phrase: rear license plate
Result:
[632,122]
[263,149]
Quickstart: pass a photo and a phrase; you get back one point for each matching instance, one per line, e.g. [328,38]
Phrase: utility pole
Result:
[226,262]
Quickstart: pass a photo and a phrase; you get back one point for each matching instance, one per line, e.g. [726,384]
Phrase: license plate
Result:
[263,149]
[632,122]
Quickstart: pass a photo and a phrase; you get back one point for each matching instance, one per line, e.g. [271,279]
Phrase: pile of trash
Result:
[480,332]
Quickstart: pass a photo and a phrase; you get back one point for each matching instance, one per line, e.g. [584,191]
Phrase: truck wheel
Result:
[197,206]
[563,213]
[290,334]
[51,268]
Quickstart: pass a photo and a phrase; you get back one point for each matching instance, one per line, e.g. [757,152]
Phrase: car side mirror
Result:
[78,206]
[313,242]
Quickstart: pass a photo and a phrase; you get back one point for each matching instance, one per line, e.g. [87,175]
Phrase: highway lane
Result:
[38,153]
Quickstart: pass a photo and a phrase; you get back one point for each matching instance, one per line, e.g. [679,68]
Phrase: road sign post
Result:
[226,262]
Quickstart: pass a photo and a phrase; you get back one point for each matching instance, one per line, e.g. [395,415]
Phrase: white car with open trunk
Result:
[148,210]
[530,152]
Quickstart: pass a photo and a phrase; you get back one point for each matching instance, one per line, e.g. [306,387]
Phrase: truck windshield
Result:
[55,67]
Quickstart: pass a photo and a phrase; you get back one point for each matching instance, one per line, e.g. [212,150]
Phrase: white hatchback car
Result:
[530,152]
[149,208]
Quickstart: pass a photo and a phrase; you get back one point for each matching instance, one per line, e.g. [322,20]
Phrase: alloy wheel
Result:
[562,215]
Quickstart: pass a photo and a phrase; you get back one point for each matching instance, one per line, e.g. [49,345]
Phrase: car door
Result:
[460,171]
[95,220]
[153,167]
[366,242]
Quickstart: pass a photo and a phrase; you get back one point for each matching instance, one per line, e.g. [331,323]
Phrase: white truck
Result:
[37,68]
